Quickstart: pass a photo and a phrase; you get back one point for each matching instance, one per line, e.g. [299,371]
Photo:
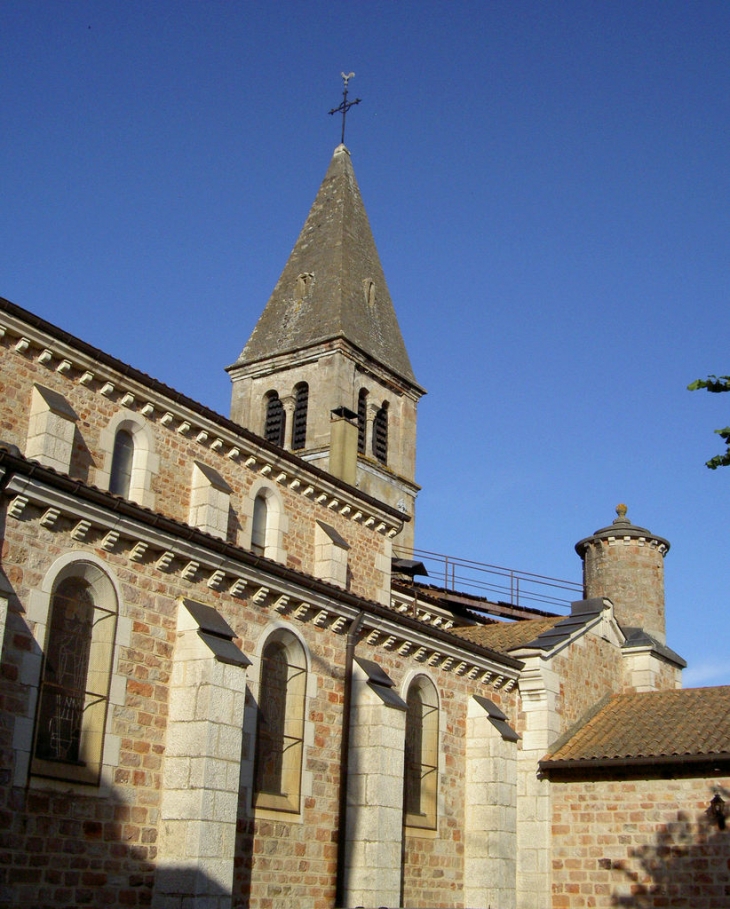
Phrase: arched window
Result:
[362,418]
[275,419]
[266,522]
[301,404]
[260,524]
[280,724]
[380,434]
[129,463]
[74,689]
[421,755]
[120,479]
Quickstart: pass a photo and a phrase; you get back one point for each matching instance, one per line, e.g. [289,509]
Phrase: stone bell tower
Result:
[626,564]
[325,373]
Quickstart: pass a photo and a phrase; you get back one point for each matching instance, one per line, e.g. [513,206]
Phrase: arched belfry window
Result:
[275,419]
[74,688]
[420,787]
[380,434]
[301,405]
[362,420]
[280,724]
[120,478]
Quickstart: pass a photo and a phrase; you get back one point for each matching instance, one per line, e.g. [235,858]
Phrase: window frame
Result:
[277,522]
[292,724]
[122,466]
[421,757]
[145,463]
[100,649]
[260,522]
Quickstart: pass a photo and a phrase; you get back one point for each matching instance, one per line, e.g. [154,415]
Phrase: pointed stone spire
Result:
[325,372]
[333,284]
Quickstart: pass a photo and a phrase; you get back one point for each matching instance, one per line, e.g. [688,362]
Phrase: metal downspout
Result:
[345,758]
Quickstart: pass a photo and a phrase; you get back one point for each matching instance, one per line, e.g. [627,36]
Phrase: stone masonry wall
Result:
[66,844]
[639,844]
[76,845]
[177,449]
[630,572]
[589,670]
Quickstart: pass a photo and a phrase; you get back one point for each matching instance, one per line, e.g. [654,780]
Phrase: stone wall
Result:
[122,843]
[589,670]
[172,437]
[639,843]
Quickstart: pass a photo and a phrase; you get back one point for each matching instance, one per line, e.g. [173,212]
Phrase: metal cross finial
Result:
[345,105]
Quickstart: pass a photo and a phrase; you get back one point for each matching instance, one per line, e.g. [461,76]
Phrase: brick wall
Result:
[639,843]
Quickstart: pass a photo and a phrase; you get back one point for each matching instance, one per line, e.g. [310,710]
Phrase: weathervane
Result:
[346,105]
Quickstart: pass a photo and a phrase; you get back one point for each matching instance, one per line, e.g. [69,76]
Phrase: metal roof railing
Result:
[494,582]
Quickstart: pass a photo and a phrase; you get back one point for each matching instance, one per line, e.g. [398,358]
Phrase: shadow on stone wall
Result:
[59,849]
[687,867]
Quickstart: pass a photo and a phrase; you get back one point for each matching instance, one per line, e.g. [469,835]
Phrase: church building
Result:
[224,682]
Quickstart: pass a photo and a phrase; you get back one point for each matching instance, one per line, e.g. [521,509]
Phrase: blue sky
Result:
[547,183]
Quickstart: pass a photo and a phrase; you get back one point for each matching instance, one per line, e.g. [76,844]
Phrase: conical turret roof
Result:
[333,284]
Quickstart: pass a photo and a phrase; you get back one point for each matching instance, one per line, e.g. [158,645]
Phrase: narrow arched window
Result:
[120,478]
[280,724]
[260,525]
[275,419]
[63,688]
[74,688]
[380,434]
[421,755]
[362,420]
[301,404]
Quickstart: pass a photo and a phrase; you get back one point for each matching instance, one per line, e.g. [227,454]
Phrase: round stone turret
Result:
[625,563]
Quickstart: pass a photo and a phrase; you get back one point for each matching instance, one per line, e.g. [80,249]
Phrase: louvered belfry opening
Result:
[380,434]
[362,417]
[275,419]
[301,405]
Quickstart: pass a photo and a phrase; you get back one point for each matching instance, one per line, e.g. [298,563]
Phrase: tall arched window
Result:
[380,434]
[280,724]
[275,419]
[120,479]
[362,418]
[301,404]
[260,524]
[421,755]
[74,689]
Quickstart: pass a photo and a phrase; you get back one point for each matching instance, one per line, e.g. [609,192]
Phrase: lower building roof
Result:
[674,726]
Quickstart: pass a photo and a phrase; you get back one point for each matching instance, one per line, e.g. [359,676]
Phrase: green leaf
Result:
[711,383]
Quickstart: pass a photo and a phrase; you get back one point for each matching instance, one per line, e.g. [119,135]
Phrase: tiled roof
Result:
[680,724]
[505,636]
